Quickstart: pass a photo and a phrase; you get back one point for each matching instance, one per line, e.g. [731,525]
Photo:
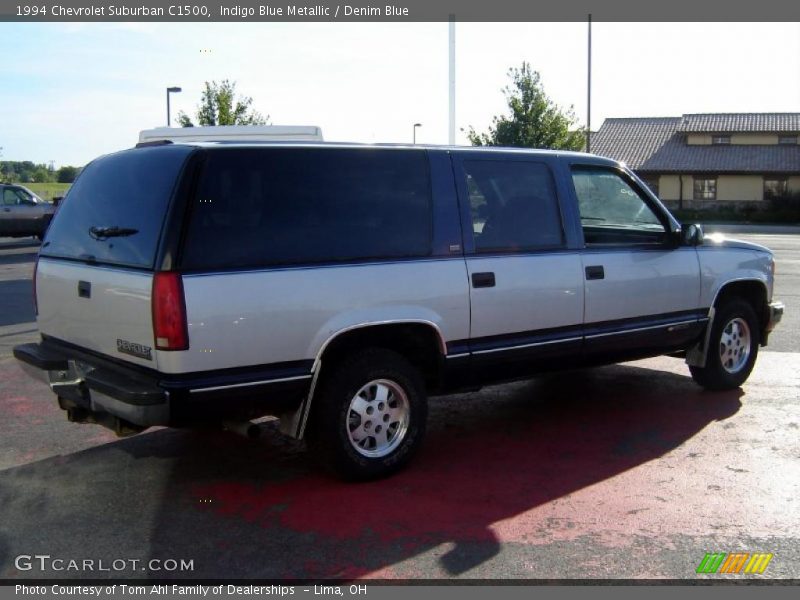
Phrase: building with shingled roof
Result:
[709,160]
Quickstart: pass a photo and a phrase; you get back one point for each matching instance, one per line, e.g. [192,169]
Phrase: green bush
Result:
[778,210]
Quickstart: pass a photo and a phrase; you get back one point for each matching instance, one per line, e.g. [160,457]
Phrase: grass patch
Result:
[47,191]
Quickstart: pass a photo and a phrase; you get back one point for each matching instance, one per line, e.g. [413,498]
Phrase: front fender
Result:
[720,266]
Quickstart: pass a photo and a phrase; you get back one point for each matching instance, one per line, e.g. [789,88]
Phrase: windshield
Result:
[33,197]
[115,210]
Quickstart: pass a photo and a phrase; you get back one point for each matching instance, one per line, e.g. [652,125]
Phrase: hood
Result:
[720,240]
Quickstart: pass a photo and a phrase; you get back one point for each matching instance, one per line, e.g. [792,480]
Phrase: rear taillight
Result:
[169,312]
[35,301]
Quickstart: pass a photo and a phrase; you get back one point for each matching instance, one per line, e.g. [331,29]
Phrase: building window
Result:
[720,139]
[705,188]
[788,140]
[775,187]
[652,183]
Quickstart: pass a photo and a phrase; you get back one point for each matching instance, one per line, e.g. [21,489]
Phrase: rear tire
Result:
[732,347]
[368,419]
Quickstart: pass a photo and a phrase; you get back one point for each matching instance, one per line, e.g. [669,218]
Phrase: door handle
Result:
[483,280]
[595,272]
[6,210]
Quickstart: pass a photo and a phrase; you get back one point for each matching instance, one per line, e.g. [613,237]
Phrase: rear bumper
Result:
[130,397]
[145,399]
[775,315]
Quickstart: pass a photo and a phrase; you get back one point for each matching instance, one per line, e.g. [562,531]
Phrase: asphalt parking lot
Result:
[628,471]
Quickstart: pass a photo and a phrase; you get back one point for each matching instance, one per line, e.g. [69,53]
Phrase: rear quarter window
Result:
[130,190]
[290,206]
[513,205]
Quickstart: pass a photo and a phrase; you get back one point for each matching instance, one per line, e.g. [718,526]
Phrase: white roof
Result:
[242,133]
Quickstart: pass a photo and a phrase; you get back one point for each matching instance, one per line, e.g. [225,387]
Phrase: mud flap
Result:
[293,423]
[696,355]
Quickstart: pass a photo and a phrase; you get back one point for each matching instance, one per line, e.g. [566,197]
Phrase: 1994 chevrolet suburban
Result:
[337,286]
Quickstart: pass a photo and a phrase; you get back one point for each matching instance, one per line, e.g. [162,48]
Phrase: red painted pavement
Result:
[586,454]
[612,454]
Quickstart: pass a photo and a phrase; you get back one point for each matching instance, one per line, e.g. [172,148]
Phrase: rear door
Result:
[526,283]
[642,290]
[95,270]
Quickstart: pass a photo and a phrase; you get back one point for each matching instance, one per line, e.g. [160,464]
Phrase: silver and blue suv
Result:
[338,286]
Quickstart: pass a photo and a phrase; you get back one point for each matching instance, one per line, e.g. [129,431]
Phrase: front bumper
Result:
[775,315]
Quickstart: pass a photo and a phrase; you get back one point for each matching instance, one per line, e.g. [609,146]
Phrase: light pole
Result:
[414,137]
[170,90]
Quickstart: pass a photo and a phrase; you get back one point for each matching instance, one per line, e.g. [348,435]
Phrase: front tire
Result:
[732,347]
[369,417]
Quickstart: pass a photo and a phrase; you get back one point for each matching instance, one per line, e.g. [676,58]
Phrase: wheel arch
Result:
[420,341]
[752,290]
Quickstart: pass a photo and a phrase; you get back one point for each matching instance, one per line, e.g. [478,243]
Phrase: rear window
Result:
[513,205]
[279,206]
[114,212]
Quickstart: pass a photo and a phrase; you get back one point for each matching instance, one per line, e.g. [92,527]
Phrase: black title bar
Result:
[398,11]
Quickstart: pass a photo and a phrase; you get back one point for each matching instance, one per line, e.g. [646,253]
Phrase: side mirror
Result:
[691,234]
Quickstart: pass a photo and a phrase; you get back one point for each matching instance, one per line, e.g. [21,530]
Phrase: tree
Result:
[67,174]
[25,171]
[219,106]
[41,174]
[535,120]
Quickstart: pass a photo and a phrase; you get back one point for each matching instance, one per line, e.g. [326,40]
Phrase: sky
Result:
[73,91]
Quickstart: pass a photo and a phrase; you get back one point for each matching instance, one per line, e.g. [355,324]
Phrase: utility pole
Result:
[589,90]
[451,139]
